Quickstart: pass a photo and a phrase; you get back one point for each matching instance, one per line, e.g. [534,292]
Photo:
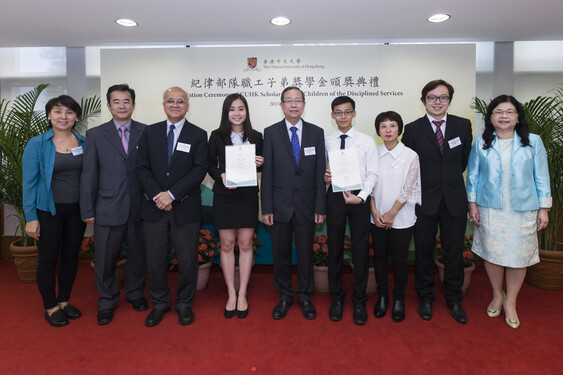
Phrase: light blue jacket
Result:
[37,171]
[529,175]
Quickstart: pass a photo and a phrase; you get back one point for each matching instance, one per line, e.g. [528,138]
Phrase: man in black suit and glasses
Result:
[442,142]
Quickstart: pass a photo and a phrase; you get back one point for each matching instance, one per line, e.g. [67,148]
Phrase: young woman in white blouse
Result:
[393,215]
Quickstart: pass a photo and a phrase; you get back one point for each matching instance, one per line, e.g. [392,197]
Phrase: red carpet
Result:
[260,345]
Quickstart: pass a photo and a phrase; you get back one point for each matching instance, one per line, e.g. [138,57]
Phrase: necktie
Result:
[343,141]
[295,144]
[123,138]
[170,142]
[439,135]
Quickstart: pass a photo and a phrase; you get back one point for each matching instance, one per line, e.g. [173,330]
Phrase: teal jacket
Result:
[37,170]
[529,175]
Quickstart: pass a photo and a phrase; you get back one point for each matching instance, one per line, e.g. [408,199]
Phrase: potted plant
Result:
[545,118]
[468,261]
[320,263]
[19,122]
[88,248]
[205,256]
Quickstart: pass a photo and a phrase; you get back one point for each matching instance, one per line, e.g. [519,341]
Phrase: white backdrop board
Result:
[378,78]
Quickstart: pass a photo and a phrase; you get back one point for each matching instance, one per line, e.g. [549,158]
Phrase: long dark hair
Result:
[225,126]
[521,126]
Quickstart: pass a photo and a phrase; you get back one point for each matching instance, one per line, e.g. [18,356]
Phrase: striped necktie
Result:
[439,135]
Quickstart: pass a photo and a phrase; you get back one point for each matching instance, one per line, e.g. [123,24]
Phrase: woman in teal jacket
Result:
[52,163]
[509,197]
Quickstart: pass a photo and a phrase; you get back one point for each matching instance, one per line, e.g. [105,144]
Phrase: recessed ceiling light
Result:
[126,22]
[440,17]
[280,21]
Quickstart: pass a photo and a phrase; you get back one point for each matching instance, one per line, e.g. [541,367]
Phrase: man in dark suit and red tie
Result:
[442,142]
[293,198]
[171,164]
[110,196]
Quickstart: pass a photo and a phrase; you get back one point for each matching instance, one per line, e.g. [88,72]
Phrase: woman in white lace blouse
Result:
[393,214]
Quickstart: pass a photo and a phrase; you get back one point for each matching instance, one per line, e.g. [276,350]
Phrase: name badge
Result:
[77,151]
[398,163]
[184,147]
[454,142]
[308,151]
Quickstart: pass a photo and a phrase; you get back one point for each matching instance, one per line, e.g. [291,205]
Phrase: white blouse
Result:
[399,179]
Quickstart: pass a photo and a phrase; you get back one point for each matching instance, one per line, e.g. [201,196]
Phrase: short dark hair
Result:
[292,88]
[121,87]
[391,116]
[63,101]
[522,128]
[432,85]
[342,100]
[225,127]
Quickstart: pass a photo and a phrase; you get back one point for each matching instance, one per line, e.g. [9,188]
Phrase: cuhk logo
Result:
[252,61]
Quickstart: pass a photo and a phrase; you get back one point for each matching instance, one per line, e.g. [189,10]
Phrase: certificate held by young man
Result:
[345,170]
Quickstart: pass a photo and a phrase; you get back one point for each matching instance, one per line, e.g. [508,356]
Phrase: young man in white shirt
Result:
[354,205]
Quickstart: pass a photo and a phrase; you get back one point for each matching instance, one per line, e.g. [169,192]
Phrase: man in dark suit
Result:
[293,198]
[110,196]
[442,142]
[171,164]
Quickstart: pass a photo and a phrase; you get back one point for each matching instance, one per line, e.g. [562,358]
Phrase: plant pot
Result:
[120,271]
[25,259]
[439,261]
[321,279]
[548,273]
[371,287]
[203,275]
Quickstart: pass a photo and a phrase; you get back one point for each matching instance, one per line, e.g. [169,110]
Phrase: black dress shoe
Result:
[140,304]
[360,314]
[71,312]
[309,311]
[155,316]
[242,313]
[398,312]
[380,307]
[457,312]
[186,316]
[57,318]
[281,309]
[230,313]
[335,311]
[105,316]
[425,309]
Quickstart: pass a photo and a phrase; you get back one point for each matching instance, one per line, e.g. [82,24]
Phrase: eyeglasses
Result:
[345,113]
[443,98]
[509,113]
[292,101]
[171,102]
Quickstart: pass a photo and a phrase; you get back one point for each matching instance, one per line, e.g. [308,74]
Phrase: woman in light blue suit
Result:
[509,197]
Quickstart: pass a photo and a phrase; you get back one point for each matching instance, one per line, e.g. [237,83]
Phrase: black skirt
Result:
[236,210]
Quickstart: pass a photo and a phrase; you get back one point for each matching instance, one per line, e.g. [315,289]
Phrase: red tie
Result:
[439,135]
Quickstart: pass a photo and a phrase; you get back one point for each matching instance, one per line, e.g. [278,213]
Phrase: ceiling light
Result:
[440,17]
[126,22]
[280,21]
